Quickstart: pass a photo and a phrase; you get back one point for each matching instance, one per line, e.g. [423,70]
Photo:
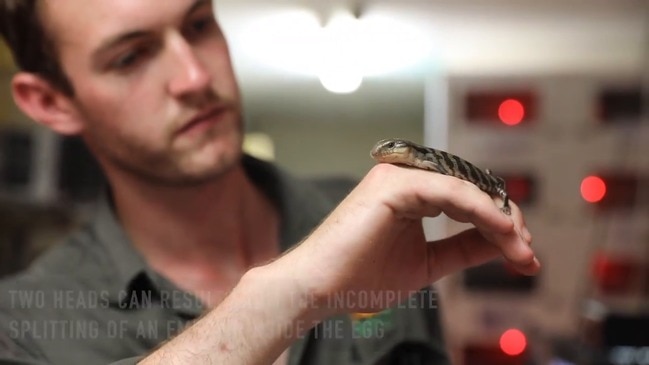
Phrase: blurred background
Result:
[552,95]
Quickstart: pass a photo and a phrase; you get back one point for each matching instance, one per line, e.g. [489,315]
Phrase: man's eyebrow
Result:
[117,40]
[129,36]
[197,4]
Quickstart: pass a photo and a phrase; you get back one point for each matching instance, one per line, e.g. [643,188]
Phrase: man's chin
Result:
[178,167]
[208,174]
[183,173]
[210,161]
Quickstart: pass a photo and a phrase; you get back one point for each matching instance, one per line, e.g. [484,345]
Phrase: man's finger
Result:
[461,251]
[460,200]
[467,249]
[515,245]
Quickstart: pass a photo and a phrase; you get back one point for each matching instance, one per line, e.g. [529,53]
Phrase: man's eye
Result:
[201,25]
[125,61]
[131,58]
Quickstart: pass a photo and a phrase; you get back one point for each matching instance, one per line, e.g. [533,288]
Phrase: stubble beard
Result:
[167,167]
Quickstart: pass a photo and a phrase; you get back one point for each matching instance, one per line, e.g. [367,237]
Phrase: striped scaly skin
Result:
[403,152]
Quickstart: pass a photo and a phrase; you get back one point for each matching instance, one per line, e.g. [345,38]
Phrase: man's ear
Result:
[46,104]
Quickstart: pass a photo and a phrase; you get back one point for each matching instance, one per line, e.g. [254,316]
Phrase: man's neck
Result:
[200,235]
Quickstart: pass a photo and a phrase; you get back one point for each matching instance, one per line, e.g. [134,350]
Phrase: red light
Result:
[593,189]
[497,107]
[613,274]
[521,187]
[513,342]
[511,112]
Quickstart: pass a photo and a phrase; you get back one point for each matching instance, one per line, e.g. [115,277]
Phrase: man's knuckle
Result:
[381,172]
[455,186]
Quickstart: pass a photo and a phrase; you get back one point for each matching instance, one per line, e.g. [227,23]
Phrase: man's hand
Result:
[374,240]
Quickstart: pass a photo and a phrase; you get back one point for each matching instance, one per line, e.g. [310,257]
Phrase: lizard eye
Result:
[390,145]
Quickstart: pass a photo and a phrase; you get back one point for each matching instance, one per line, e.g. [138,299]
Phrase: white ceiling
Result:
[486,35]
[465,36]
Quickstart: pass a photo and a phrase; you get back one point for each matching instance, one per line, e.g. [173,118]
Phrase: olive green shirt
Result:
[94,300]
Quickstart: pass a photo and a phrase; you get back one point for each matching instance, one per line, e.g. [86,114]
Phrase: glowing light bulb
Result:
[511,112]
[340,68]
[513,342]
[593,189]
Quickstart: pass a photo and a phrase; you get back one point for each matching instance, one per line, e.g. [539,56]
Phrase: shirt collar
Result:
[127,263]
[300,204]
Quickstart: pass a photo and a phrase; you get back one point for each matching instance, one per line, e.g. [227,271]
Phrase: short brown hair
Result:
[33,51]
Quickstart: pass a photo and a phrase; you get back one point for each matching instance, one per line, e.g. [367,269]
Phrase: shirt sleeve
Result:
[408,334]
[129,361]
[432,315]
[12,353]
[419,345]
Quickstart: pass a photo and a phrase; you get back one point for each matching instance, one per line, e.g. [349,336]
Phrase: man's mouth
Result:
[204,119]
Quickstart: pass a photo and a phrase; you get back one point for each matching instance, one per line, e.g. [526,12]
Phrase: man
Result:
[192,230]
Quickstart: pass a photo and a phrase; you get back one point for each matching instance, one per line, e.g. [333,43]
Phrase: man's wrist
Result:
[285,293]
[266,312]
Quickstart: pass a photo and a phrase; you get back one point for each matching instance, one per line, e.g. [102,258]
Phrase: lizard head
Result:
[391,150]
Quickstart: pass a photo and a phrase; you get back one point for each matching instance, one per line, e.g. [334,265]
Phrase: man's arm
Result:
[263,314]
[373,241]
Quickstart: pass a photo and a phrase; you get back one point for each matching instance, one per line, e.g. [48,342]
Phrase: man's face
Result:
[153,84]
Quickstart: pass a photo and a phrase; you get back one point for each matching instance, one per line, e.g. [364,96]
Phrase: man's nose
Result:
[189,74]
